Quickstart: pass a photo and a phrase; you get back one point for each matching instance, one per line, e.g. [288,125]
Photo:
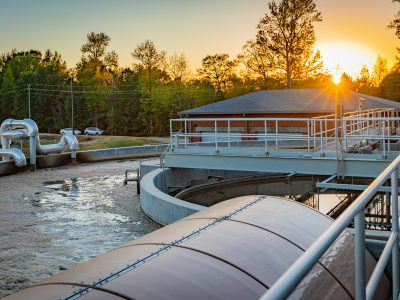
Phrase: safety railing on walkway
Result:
[356,132]
[283,287]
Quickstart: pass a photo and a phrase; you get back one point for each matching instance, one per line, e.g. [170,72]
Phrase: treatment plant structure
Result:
[237,226]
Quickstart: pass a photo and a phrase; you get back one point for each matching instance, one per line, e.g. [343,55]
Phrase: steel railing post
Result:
[276,134]
[229,133]
[185,133]
[344,126]
[215,136]
[321,136]
[265,136]
[359,226]
[383,138]
[308,134]
[326,130]
[314,130]
[395,229]
[170,131]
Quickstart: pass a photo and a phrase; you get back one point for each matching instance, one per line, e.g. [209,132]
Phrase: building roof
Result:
[292,101]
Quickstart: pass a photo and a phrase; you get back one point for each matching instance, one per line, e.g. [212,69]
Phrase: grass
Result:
[104,142]
[92,142]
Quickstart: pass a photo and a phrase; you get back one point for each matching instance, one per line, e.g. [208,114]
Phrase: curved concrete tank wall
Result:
[210,193]
[234,250]
[157,204]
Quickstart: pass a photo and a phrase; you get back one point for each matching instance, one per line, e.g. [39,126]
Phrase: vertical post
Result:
[314,132]
[388,134]
[359,226]
[229,133]
[72,107]
[112,106]
[387,208]
[395,229]
[170,131]
[276,134]
[326,131]
[29,100]
[5,144]
[215,136]
[383,138]
[308,134]
[32,152]
[185,133]
[344,126]
[379,116]
[265,136]
[320,135]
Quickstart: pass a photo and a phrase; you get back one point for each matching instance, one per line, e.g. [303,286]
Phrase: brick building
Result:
[289,103]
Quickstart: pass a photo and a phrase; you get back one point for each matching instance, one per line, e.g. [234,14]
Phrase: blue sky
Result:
[193,27]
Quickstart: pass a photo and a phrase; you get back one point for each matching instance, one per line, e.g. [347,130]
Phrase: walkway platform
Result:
[359,144]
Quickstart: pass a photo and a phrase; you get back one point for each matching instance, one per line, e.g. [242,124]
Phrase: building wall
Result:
[250,127]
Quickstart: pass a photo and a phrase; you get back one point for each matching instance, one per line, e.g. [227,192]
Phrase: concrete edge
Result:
[159,206]
[89,156]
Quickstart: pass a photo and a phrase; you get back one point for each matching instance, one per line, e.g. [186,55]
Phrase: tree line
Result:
[140,100]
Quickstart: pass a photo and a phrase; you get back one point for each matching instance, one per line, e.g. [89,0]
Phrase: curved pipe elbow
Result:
[5,125]
[15,153]
[72,141]
[67,140]
[28,124]
[49,149]
[31,126]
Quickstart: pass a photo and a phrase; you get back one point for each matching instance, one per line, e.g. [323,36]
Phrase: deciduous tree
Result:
[177,67]
[148,57]
[379,71]
[287,29]
[218,70]
[95,46]
[258,61]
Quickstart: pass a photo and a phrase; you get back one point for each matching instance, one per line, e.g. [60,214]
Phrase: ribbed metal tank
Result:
[233,250]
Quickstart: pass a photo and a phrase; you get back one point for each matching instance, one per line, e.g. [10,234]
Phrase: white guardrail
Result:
[363,290]
[374,127]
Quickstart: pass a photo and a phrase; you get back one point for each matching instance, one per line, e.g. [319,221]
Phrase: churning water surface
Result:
[67,222]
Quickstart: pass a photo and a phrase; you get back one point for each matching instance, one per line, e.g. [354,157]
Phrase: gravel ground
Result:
[54,218]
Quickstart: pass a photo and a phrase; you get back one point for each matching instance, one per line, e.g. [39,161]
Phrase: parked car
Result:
[69,131]
[93,131]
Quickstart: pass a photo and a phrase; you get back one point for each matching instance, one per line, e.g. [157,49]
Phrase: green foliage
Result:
[288,31]
[148,57]
[390,88]
[95,47]
[219,71]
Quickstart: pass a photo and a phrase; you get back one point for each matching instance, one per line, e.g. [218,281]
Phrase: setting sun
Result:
[346,57]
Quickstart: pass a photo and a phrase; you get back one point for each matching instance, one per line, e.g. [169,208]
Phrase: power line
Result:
[11,92]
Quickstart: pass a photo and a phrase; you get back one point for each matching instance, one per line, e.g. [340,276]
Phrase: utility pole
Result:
[112,105]
[72,102]
[29,100]
[72,107]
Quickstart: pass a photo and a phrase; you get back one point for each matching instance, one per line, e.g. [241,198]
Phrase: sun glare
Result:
[346,57]
[336,77]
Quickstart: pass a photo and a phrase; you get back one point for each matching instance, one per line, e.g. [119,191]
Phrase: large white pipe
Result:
[67,141]
[28,124]
[31,130]
[15,153]
[12,129]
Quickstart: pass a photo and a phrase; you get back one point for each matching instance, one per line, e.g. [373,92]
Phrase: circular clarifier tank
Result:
[236,249]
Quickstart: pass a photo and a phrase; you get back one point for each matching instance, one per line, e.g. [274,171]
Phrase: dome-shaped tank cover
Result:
[233,250]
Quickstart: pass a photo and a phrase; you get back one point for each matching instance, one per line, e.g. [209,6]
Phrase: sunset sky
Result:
[353,31]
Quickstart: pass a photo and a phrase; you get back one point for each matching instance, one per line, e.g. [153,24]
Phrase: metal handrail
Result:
[319,132]
[292,277]
[173,140]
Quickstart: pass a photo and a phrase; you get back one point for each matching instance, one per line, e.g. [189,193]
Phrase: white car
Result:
[93,131]
[69,131]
